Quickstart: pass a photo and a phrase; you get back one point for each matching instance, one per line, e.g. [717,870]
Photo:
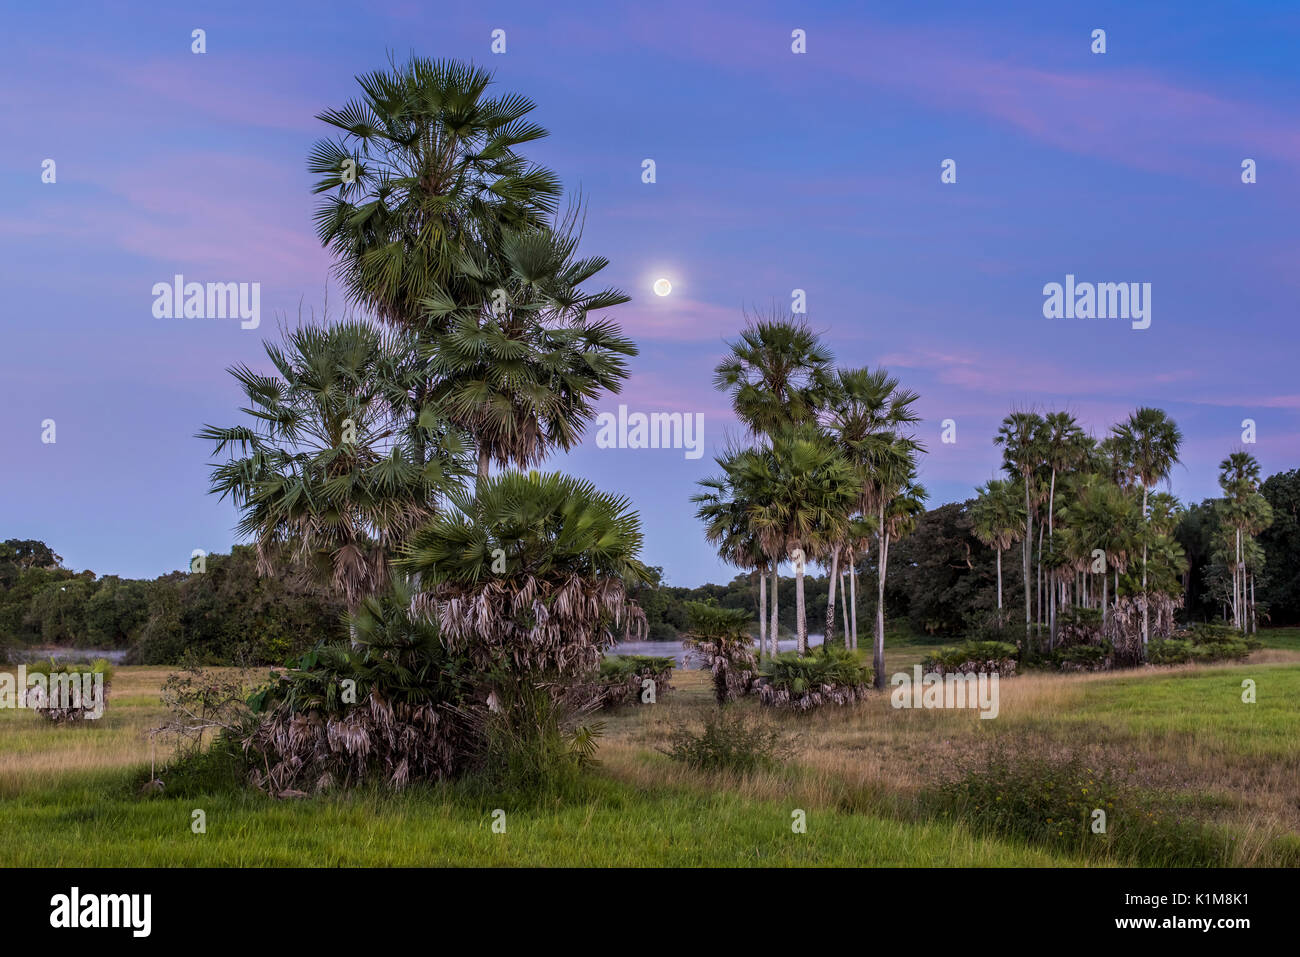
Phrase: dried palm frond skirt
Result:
[373,741]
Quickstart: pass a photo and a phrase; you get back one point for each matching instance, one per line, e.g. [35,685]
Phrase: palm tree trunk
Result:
[776,587]
[830,597]
[999,589]
[878,655]
[1104,582]
[1038,578]
[482,467]
[844,604]
[1051,528]
[1029,538]
[1144,572]
[1254,622]
[762,613]
[853,594]
[800,613]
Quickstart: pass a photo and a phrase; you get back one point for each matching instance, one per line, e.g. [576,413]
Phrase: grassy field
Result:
[863,776]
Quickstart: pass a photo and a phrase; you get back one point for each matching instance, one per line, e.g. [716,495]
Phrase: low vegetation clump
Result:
[49,704]
[388,708]
[1203,643]
[731,740]
[1085,658]
[974,657]
[622,678]
[1069,806]
[831,676]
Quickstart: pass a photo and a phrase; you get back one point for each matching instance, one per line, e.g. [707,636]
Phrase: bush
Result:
[830,676]
[392,709]
[1084,657]
[730,740]
[974,656]
[1054,803]
[43,701]
[719,639]
[621,678]
[1202,643]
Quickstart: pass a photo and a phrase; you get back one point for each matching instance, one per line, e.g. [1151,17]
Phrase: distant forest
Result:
[942,582]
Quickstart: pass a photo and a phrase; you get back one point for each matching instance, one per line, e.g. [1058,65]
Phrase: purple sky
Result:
[775,171]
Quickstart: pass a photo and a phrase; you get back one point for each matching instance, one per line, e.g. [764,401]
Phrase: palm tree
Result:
[1100,519]
[901,500]
[425,164]
[866,413]
[521,365]
[1020,436]
[725,513]
[799,487]
[777,374]
[998,520]
[1151,440]
[1239,479]
[327,464]
[720,638]
[570,554]
[1063,449]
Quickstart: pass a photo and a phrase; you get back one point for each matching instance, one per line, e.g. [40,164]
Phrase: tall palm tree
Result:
[1101,518]
[1063,449]
[1020,436]
[998,520]
[520,366]
[1239,479]
[725,513]
[897,500]
[867,411]
[326,464]
[424,164]
[777,374]
[804,487]
[1151,440]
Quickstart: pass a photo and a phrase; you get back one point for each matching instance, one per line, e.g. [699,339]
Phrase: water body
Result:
[673,649]
[112,655]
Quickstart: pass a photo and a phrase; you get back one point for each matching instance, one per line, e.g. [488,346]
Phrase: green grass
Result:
[94,823]
[67,794]
[1287,639]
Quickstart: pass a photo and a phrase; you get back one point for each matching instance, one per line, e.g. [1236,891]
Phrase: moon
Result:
[662,287]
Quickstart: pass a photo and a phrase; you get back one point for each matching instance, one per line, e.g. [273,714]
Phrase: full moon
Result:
[663,287]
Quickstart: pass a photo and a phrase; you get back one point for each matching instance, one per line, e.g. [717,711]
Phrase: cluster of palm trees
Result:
[826,468]
[1243,513]
[483,349]
[1084,512]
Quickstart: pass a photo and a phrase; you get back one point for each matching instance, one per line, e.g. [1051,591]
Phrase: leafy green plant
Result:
[1056,803]
[1001,654]
[831,676]
[730,740]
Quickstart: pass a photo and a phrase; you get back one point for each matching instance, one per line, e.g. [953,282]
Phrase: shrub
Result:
[1204,644]
[830,676]
[1054,803]
[44,701]
[730,740]
[1084,657]
[622,677]
[403,721]
[974,656]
